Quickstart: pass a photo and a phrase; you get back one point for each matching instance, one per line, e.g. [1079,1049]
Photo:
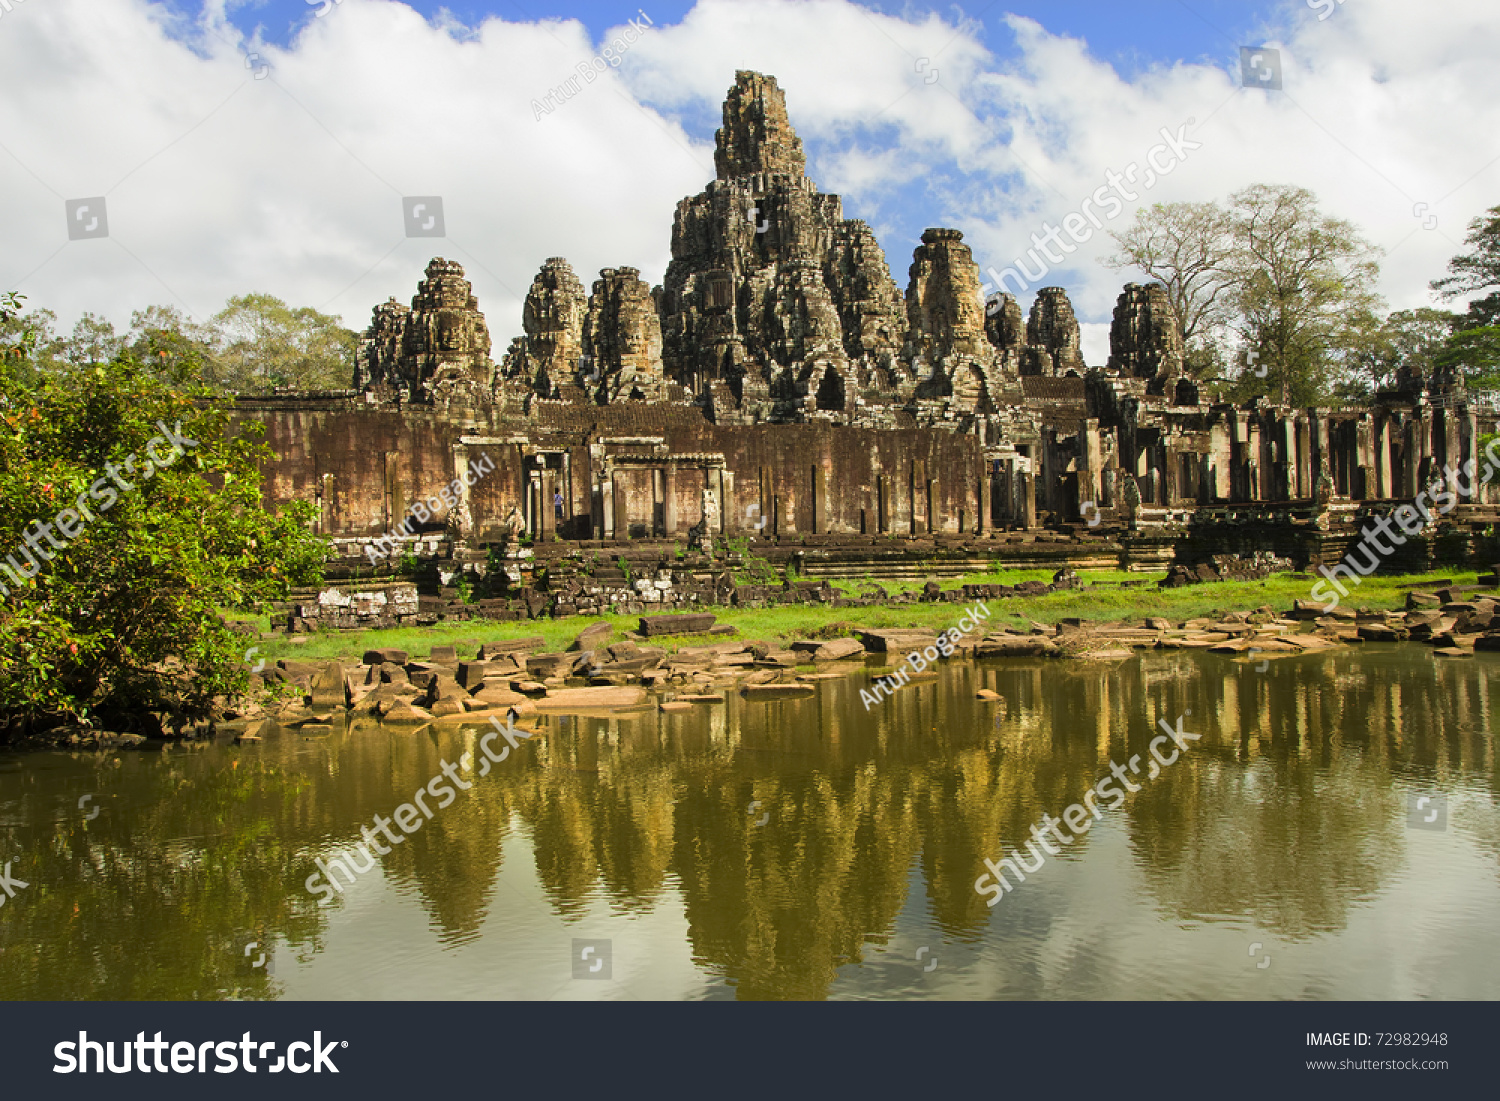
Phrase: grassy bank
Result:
[1104,601]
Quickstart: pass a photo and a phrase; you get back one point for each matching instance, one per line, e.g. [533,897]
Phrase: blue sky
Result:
[1130,35]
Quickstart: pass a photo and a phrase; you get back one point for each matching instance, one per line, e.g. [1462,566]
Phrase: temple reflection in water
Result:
[791,834]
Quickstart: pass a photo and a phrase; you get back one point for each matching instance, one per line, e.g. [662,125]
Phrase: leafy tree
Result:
[262,343]
[1475,355]
[1476,272]
[92,341]
[25,338]
[1303,287]
[1406,339]
[119,549]
[165,337]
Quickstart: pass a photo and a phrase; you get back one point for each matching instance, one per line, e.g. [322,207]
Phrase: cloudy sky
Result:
[267,146]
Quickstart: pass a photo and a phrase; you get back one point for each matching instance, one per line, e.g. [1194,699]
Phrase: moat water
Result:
[1332,834]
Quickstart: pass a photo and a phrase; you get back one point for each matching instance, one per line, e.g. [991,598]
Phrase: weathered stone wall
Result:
[367,464]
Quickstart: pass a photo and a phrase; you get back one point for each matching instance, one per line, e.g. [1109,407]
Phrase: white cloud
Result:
[292,183]
[219,183]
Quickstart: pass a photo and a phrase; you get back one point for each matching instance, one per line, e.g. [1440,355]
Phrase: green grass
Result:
[1103,602]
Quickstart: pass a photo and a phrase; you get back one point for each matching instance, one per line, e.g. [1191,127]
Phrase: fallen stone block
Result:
[839,649]
[494,694]
[691,623]
[510,646]
[328,688]
[574,699]
[1015,647]
[896,642]
[776,691]
[377,657]
[541,666]
[471,673]
[592,637]
[404,714]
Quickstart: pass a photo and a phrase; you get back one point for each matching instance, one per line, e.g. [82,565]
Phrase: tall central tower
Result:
[773,304]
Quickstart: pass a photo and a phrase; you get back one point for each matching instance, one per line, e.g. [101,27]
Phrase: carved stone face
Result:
[450,331]
[452,294]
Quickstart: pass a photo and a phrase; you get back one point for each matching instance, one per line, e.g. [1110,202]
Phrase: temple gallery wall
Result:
[779,384]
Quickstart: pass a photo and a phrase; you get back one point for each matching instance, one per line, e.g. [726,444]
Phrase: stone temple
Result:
[780,385]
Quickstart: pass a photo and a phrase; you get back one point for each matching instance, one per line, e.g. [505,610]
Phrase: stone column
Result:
[982,504]
[601,509]
[460,466]
[1253,463]
[913,479]
[1303,488]
[547,488]
[1416,453]
[1090,487]
[1371,460]
[669,501]
[1221,463]
[767,505]
[819,502]
[726,501]
[1170,464]
[619,506]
